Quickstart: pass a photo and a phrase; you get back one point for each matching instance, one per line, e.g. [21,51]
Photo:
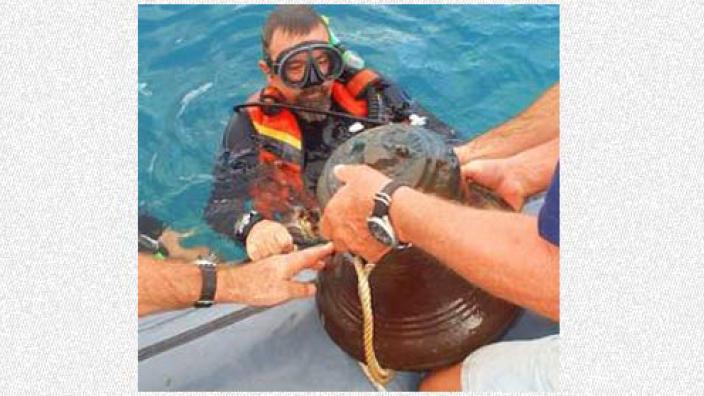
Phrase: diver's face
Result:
[316,97]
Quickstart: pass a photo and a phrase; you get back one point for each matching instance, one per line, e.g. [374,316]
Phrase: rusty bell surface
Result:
[425,315]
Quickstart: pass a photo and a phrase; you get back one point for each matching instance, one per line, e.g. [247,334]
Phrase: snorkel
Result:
[349,57]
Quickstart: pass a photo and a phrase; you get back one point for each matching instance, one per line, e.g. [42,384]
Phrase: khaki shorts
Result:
[514,366]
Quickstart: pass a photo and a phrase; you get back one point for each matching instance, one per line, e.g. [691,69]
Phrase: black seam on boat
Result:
[197,332]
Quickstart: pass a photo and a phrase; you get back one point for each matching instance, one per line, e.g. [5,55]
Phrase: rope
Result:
[377,375]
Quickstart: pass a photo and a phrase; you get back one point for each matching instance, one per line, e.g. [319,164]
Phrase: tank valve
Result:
[356,127]
[417,120]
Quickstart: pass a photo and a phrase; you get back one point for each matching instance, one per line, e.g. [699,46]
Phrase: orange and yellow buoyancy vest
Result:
[281,134]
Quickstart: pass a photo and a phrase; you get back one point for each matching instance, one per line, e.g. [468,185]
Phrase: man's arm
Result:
[235,168]
[174,284]
[166,284]
[537,124]
[499,252]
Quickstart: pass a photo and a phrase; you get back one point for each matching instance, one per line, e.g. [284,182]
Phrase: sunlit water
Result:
[472,65]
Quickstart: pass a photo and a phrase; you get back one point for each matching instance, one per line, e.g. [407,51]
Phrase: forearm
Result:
[174,284]
[235,167]
[499,252]
[165,285]
[229,196]
[537,124]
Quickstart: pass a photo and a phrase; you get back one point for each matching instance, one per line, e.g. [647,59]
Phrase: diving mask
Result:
[308,64]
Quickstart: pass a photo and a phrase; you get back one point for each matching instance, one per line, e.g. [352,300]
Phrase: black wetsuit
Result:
[236,163]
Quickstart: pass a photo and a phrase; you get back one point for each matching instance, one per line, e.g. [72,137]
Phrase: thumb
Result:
[487,172]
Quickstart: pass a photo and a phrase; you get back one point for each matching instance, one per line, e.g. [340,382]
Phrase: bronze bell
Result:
[425,315]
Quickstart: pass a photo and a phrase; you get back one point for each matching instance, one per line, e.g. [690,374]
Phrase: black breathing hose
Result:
[309,110]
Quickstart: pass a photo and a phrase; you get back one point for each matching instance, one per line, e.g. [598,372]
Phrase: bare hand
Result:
[172,242]
[268,238]
[270,281]
[497,175]
[345,217]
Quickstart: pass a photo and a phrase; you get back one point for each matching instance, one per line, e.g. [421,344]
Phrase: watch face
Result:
[380,231]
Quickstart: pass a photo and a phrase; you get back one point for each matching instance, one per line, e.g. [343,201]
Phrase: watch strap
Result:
[209,278]
[382,199]
[382,204]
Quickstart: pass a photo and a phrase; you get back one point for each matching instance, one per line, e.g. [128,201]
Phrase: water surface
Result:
[473,65]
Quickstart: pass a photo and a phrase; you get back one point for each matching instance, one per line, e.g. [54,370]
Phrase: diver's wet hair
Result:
[295,19]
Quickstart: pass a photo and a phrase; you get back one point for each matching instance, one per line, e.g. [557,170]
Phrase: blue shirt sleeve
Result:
[549,216]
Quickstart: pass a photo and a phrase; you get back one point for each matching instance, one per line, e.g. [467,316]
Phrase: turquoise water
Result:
[472,65]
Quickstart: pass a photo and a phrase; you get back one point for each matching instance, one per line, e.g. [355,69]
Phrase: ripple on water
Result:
[192,95]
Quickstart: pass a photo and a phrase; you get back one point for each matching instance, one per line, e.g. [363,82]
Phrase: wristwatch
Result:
[208,273]
[379,223]
[245,224]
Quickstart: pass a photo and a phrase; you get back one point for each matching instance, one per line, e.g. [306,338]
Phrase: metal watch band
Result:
[209,278]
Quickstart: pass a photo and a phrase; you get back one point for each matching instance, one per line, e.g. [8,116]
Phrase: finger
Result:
[330,213]
[287,248]
[276,245]
[260,251]
[187,234]
[319,265]
[285,242]
[340,246]
[459,153]
[252,251]
[339,171]
[471,169]
[515,202]
[376,257]
[307,258]
[325,226]
[344,173]
[300,290]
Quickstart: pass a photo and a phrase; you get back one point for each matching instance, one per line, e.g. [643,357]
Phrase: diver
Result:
[318,95]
